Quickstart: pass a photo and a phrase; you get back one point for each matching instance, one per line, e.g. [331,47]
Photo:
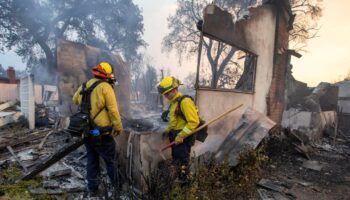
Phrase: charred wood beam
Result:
[29,138]
[44,140]
[294,53]
[16,158]
[7,155]
[52,159]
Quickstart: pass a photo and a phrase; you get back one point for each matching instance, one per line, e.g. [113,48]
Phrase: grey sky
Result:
[155,13]
[11,59]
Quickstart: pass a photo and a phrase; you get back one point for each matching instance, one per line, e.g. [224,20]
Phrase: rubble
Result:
[252,128]
[7,105]
[9,117]
[310,179]
[30,138]
[270,185]
[59,173]
[314,113]
[263,194]
[240,167]
[46,191]
[16,158]
[51,184]
[52,159]
[313,164]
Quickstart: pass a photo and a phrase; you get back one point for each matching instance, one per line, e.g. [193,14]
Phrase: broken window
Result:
[223,66]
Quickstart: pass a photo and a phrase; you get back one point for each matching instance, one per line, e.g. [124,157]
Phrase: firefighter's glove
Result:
[116,133]
[179,139]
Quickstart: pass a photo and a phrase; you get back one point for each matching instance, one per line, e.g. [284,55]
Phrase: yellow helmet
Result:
[107,67]
[167,84]
[103,70]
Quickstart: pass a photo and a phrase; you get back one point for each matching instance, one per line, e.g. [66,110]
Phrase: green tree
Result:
[31,27]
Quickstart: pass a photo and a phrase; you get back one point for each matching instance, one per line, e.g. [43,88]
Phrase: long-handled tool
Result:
[203,126]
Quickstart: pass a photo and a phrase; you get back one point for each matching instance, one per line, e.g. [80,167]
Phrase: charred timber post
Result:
[52,159]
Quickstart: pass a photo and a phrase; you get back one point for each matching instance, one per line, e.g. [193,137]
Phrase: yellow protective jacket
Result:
[102,97]
[190,112]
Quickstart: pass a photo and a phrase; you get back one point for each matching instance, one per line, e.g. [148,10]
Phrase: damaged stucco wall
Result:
[256,35]
[344,106]
[139,154]
[74,62]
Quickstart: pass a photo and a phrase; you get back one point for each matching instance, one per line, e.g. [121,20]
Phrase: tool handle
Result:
[206,124]
[168,145]
[216,119]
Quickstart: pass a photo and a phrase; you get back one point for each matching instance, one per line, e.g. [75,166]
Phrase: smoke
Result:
[43,75]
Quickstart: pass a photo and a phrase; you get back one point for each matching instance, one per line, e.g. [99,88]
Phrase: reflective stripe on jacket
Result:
[190,112]
[102,97]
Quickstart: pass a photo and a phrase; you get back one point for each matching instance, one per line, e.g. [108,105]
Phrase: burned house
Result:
[259,42]
[259,45]
[310,111]
[255,64]
[74,62]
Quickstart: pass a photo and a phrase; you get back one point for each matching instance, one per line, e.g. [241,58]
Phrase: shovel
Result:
[201,127]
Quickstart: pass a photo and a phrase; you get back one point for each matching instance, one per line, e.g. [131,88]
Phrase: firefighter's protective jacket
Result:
[102,97]
[190,112]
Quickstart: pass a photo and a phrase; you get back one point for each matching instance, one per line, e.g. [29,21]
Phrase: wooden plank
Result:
[6,118]
[7,105]
[75,172]
[39,191]
[250,131]
[29,138]
[44,140]
[16,158]
[52,159]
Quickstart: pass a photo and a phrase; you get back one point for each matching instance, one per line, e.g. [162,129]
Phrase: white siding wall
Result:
[27,100]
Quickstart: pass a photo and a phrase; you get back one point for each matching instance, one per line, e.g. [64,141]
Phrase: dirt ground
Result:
[285,169]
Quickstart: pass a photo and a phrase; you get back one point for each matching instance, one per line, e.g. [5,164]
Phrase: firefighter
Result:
[106,124]
[183,119]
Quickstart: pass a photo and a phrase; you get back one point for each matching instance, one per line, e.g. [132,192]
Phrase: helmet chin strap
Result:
[111,80]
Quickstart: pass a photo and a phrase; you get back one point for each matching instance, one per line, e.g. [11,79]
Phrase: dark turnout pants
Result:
[181,152]
[106,149]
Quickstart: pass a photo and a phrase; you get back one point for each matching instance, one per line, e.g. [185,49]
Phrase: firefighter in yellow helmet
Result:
[183,119]
[106,123]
